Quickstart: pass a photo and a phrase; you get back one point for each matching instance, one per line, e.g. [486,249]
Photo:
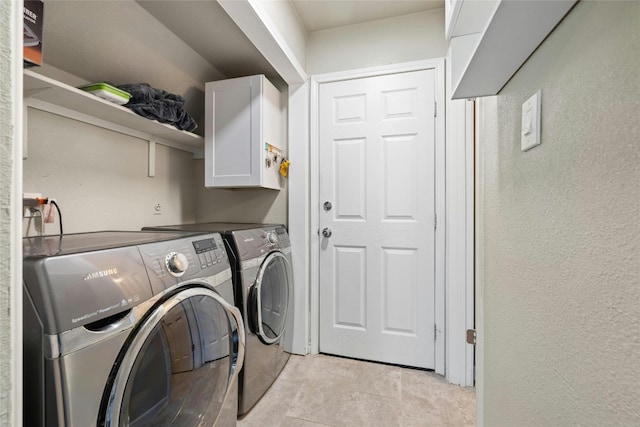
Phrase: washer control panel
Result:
[177,263]
[209,252]
[194,257]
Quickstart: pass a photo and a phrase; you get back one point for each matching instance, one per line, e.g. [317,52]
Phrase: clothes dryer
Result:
[129,328]
[263,285]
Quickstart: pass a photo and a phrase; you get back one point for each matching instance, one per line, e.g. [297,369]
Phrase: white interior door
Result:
[377,260]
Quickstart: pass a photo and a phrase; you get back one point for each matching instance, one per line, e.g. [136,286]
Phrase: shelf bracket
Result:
[152,158]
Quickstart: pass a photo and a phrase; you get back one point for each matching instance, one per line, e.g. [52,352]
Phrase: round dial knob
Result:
[177,263]
[272,238]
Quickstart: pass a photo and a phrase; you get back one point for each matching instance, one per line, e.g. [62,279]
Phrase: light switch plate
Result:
[531,122]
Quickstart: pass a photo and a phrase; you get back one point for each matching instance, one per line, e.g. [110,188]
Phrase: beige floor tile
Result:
[319,402]
[422,413]
[461,411]
[296,422]
[297,368]
[370,410]
[455,418]
[334,407]
[354,375]
[272,407]
[332,369]
[320,390]
[427,395]
[378,379]
[426,385]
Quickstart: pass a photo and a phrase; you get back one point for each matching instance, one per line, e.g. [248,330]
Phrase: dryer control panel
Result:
[283,236]
[255,243]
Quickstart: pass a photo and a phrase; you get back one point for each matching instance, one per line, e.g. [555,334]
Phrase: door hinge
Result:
[435,221]
[471,336]
[435,332]
[435,109]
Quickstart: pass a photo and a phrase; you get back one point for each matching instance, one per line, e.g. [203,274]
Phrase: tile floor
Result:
[320,390]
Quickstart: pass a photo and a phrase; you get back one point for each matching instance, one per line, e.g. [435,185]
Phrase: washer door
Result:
[179,365]
[270,295]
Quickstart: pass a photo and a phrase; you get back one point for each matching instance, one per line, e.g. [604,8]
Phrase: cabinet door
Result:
[243,118]
[231,133]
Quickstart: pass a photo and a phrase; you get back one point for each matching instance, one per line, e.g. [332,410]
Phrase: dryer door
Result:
[270,296]
[178,365]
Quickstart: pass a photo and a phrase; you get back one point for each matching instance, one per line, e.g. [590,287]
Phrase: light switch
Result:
[531,122]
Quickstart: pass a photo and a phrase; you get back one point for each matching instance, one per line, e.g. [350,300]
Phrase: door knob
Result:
[327,206]
[326,232]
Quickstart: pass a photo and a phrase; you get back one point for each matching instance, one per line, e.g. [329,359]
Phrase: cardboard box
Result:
[32,30]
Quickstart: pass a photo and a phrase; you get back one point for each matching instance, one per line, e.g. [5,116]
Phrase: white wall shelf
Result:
[44,93]
[482,63]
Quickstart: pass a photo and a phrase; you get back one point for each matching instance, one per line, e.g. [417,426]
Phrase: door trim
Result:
[438,65]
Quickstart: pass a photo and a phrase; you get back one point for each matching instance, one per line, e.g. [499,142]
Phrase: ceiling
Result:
[319,15]
[121,41]
[100,40]
[208,30]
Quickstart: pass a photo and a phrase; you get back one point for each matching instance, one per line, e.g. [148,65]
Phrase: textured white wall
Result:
[99,177]
[6,141]
[11,16]
[6,167]
[386,41]
[562,233]
[10,187]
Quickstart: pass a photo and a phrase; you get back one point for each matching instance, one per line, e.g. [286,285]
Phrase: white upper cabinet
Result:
[243,133]
[490,39]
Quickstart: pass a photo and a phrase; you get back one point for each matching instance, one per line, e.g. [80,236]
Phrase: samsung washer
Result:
[130,328]
[261,260]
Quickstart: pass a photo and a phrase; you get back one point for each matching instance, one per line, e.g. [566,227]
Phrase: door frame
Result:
[438,65]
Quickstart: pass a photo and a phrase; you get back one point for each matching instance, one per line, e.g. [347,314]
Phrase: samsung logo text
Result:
[102,273]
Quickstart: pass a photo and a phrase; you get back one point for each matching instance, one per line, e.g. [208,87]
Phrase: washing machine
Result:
[130,328]
[261,264]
